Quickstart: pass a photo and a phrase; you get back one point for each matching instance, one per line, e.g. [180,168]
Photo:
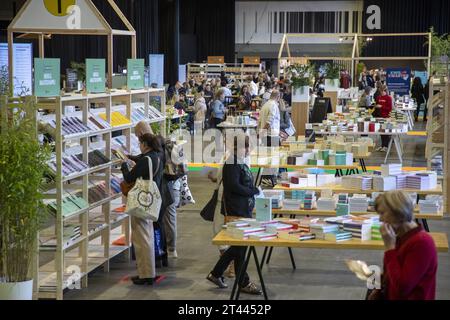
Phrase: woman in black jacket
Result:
[417,93]
[142,235]
[239,201]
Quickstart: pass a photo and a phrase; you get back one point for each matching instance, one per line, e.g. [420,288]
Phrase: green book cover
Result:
[342,209]
[135,74]
[312,162]
[340,159]
[95,75]
[47,77]
[263,209]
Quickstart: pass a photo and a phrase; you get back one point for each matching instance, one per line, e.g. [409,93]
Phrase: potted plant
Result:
[23,162]
[300,76]
[80,69]
[440,53]
[331,77]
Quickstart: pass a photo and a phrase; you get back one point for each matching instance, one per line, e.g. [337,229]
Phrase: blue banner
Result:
[156,72]
[398,80]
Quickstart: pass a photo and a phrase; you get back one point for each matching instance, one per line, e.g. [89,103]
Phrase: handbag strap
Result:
[150,168]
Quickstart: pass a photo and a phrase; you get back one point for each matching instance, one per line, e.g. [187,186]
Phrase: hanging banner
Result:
[23,66]
[182,77]
[95,75]
[398,80]
[46,77]
[135,74]
[156,65]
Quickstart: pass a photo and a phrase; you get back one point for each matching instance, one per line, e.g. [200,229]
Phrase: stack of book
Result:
[138,115]
[401,180]
[320,229]
[98,193]
[154,113]
[309,203]
[305,224]
[422,181]
[391,169]
[298,195]
[243,232]
[115,184]
[339,220]
[98,122]
[429,206]
[376,232]
[73,126]
[291,204]
[358,203]
[343,198]
[326,204]
[296,235]
[70,205]
[338,236]
[325,180]
[117,119]
[96,158]
[277,197]
[360,230]
[384,183]
[263,236]
[70,165]
[357,182]
[277,227]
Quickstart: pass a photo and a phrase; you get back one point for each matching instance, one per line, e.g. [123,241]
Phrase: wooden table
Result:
[341,189]
[395,139]
[421,218]
[222,238]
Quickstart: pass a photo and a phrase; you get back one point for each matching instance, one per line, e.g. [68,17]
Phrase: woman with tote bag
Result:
[142,233]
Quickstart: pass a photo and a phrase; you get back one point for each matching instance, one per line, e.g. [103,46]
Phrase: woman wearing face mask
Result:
[238,201]
[410,258]
[142,233]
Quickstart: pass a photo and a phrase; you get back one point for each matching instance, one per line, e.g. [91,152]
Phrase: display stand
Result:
[438,126]
[99,225]
[206,71]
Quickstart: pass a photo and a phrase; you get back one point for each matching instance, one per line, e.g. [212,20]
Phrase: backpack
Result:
[176,164]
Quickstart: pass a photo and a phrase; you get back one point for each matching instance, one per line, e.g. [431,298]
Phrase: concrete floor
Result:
[320,274]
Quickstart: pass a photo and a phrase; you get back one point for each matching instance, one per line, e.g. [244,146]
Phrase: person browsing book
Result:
[384,108]
[142,232]
[238,202]
[410,257]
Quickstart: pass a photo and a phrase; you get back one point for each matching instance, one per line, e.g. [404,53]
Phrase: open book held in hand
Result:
[359,268]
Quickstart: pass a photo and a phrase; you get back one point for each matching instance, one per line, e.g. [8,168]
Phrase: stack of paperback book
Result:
[321,228]
[296,235]
[309,203]
[375,232]
[326,204]
[338,236]
[358,203]
[429,206]
[360,230]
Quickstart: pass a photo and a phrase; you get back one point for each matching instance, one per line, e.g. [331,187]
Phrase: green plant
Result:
[300,75]
[81,70]
[4,81]
[331,71]
[440,52]
[23,163]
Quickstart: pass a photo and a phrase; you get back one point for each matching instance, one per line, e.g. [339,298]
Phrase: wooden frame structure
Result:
[355,58]
[44,33]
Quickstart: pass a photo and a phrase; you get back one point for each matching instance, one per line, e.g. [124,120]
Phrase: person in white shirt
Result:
[269,117]
[253,87]
[226,91]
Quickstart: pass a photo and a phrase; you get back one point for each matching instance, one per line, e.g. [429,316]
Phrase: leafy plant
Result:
[331,71]
[301,75]
[440,52]
[4,81]
[80,68]
[360,67]
[23,162]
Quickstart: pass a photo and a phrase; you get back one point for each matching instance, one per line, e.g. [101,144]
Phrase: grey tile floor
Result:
[320,274]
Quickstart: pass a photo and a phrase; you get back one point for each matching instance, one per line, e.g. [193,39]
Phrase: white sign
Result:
[23,65]
[156,69]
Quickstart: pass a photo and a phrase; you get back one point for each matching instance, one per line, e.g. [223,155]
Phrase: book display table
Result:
[222,238]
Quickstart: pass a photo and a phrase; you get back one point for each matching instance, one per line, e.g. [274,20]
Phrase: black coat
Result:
[238,190]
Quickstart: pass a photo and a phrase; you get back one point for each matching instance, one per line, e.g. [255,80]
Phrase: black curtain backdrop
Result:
[143,15]
[401,16]
[213,24]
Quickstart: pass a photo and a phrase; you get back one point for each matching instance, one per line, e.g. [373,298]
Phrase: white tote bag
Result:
[144,200]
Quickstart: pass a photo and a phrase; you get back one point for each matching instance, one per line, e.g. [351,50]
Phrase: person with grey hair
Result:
[410,258]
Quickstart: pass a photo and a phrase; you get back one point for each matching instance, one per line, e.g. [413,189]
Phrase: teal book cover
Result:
[263,209]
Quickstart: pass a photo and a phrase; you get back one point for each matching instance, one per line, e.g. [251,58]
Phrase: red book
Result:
[372,127]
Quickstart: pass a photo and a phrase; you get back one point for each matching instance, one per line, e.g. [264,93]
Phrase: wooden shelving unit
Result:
[438,127]
[99,225]
[205,71]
